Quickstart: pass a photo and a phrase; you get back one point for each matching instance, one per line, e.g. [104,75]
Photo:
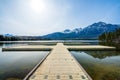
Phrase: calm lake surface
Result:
[100,65]
[16,65]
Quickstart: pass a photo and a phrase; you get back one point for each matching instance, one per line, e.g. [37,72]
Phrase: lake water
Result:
[100,65]
[16,65]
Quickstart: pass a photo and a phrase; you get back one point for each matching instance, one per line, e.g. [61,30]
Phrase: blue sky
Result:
[39,17]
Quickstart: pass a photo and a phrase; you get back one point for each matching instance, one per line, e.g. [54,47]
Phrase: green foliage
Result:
[1,38]
[111,36]
[20,38]
[8,38]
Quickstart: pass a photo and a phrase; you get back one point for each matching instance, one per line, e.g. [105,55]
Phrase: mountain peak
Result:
[100,22]
[67,31]
[77,30]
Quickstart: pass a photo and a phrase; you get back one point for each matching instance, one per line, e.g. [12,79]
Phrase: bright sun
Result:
[38,5]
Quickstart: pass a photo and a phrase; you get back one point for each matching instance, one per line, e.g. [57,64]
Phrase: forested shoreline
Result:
[111,36]
[20,38]
[111,39]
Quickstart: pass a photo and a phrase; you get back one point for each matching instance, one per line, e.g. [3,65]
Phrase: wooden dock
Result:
[59,64]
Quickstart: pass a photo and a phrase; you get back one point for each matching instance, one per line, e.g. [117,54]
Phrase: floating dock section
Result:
[90,47]
[28,48]
[48,48]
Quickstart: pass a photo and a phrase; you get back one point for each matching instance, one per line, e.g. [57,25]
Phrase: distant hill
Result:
[8,35]
[90,32]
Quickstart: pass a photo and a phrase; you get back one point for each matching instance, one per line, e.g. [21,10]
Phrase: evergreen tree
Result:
[111,36]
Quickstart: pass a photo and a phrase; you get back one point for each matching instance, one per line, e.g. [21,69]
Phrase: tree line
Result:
[19,38]
[8,38]
[111,36]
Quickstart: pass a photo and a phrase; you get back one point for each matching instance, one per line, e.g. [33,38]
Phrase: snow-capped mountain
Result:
[77,30]
[89,32]
[96,29]
[67,31]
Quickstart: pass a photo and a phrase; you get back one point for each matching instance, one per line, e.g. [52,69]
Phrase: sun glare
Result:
[38,5]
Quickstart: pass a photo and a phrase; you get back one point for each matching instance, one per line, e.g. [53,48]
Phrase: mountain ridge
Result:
[92,31]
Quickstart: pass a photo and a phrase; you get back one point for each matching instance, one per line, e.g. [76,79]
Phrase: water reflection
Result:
[16,65]
[101,65]
[102,54]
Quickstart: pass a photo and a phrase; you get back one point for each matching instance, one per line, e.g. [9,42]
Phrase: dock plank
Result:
[60,65]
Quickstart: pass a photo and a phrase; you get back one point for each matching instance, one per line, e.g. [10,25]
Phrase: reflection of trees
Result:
[102,54]
[111,76]
[1,44]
